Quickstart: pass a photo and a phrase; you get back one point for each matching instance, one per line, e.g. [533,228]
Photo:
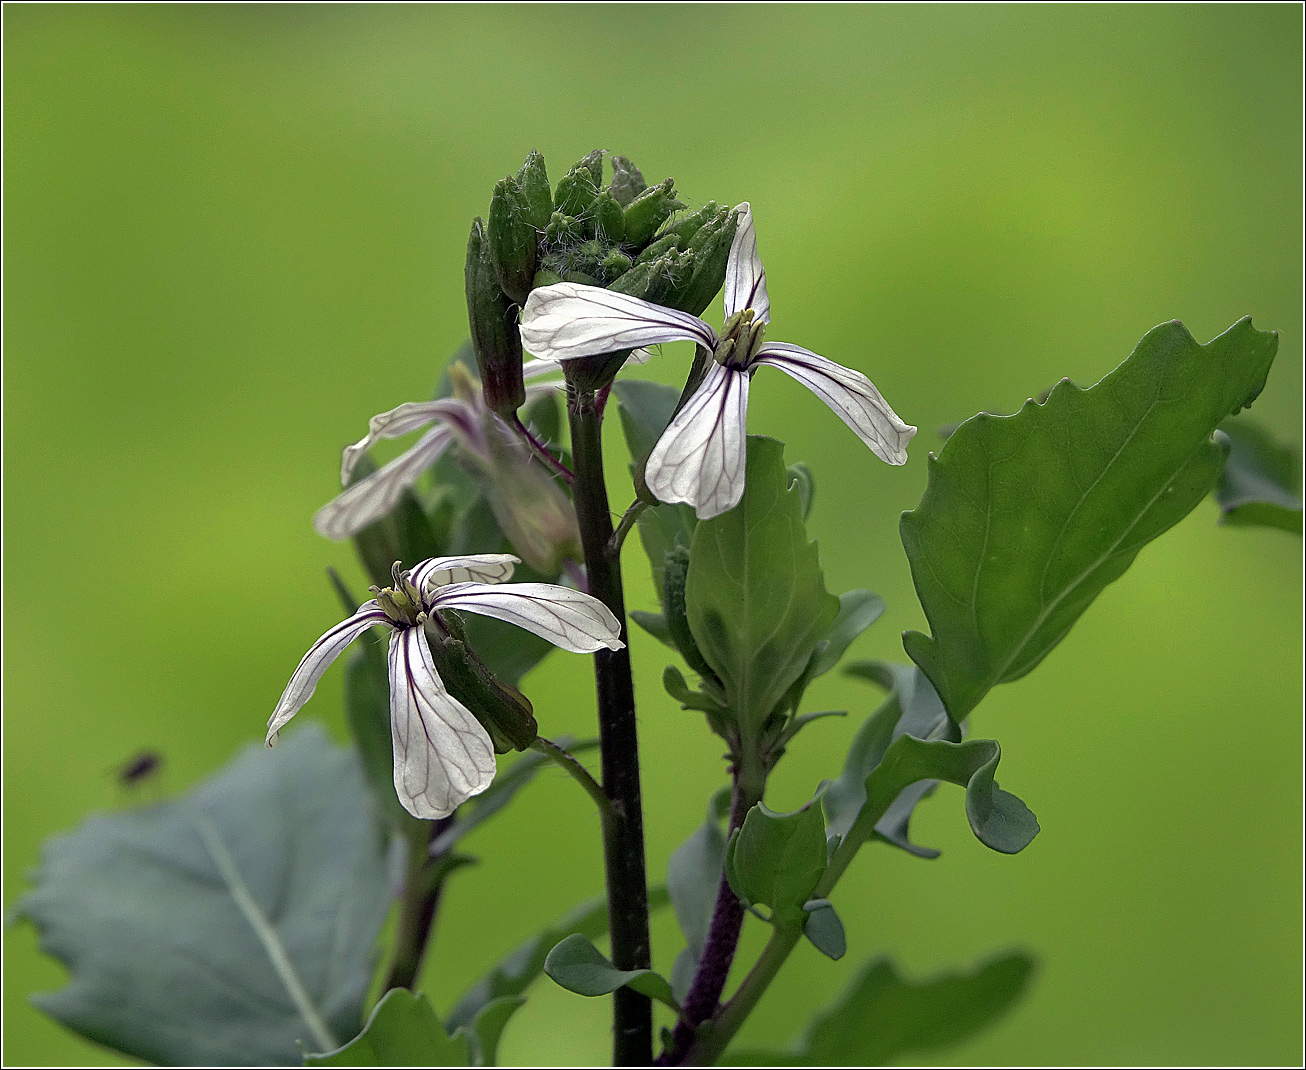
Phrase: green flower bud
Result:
[593,162]
[649,211]
[584,278]
[576,192]
[687,226]
[615,264]
[563,229]
[660,247]
[512,239]
[711,249]
[545,277]
[675,570]
[609,220]
[493,324]
[627,182]
[647,281]
[537,197]
[505,712]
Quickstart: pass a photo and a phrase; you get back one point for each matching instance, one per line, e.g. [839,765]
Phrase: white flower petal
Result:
[849,393]
[569,320]
[745,277]
[482,568]
[700,457]
[410,416]
[566,618]
[371,498]
[443,756]
[319,657]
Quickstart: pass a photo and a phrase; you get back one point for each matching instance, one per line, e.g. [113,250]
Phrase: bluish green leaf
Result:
[800,476]
[858,610]
[487,1029]
[883,1017]
[694,873]
[220,928]
[1261,482]
[655,624]
[1027,518]
[824,929]
[402,1031]
[757,603]
[580,967]
[777,859]
[911,708]
[515,973]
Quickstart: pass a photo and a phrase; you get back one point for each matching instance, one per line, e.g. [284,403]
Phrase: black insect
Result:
[142,767]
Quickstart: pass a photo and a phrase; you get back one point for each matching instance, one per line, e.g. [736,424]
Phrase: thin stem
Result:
[628,519]
[704,996]
[542,452]
[577,772]
[709,1046]
[417,907]
[623,830]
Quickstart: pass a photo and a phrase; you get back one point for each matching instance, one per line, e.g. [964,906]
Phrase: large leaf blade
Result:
[1027,518]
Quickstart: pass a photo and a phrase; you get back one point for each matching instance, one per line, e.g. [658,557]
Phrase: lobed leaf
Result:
[777,859]
[1026,518]
[580,967]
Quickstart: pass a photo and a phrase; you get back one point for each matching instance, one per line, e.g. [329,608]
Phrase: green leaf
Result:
[1261,482]
[777,859]
[221,927]
[501,792]
[694,873]
[487,1029]
[402,1031]
[1027,518]
[882,1017]
[580,967]
[858,610]
[514,974]
[824,929]
[757,603]
[655,624]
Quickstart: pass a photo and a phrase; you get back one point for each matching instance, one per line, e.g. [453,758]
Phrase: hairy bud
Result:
[493,323]
[649,211]
[512,240]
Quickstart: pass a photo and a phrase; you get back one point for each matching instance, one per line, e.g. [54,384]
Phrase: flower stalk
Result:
[623,828]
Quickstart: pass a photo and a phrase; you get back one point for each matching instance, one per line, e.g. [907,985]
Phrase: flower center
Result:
[741,337]
[402,603]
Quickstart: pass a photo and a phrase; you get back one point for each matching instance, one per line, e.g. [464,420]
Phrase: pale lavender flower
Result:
[442,754]
[700,457]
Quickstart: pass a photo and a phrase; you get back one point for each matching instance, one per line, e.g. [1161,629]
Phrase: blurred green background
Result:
[235,233]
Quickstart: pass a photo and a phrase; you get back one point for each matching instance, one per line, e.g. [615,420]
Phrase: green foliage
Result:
[221,927]
[402,1031]
[693,879]
[778,859]
[883,1017]
[580,967]
[824,929]
[1261,482]
[514,974]
[1027,518]
[858,610]
[756,599]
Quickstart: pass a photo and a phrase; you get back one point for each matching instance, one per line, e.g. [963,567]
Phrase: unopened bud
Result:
[563,229]
[649,211]
[512,240]
[504,712]
[627,182]
[609,220]
[576,192]
[536,195]
[691,223]
[711,246]
[615,264]
[658,248]
[675,564]
[493,324]
[545,277]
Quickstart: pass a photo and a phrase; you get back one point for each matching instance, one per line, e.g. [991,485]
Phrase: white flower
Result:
[460,418]
[442,754]
[700,457]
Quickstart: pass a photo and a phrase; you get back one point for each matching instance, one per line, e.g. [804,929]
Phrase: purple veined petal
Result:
[700,457]
[371,498]
[442,754]
[410,416]
[569,320]
[480,568]
[566,618]
[849,393]
[745,277]
[319,657]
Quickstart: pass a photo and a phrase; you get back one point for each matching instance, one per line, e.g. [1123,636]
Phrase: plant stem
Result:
[628,519]
[417,908]
[623,829]
[708,1047]
[704,996]
[543,453]
[577,772]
